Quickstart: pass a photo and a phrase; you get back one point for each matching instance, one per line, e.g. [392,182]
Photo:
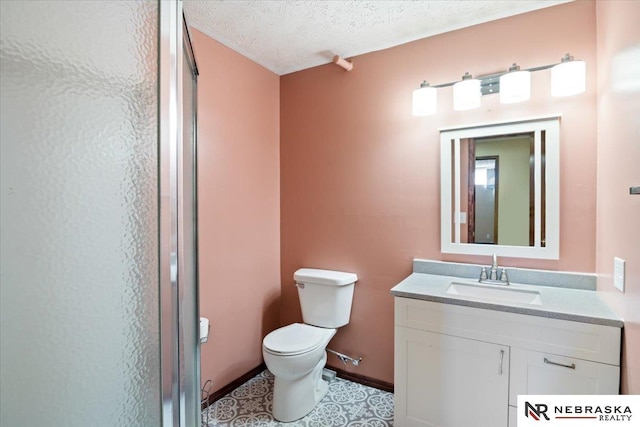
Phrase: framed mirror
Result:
[500,189]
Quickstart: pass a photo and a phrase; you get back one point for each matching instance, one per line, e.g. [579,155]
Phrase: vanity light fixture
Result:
[466,93]
[515,86]
[425,100]
[568,77]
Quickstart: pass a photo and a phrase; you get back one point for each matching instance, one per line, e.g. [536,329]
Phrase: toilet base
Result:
[293,399]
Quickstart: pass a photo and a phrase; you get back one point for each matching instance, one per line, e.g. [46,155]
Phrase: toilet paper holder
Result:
[205,327]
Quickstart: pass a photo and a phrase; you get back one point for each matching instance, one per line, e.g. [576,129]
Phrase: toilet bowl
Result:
[296,354]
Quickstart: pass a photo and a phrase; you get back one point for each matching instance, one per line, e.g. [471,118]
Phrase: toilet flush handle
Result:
[299,285]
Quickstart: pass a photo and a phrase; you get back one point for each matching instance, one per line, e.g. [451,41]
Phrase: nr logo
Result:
[536,411]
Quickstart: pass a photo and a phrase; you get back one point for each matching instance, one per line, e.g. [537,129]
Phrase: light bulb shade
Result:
[425,100]
[515,87]
[568,78]
[466,95]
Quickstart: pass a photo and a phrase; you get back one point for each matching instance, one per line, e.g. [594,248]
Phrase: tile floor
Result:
[347,404]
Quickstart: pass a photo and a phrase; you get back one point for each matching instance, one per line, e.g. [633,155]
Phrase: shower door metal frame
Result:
[173,34]
[188,339]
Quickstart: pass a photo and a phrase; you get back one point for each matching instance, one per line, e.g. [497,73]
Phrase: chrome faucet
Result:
[496,275]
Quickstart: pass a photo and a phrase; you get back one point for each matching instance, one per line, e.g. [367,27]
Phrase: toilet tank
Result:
[325,296]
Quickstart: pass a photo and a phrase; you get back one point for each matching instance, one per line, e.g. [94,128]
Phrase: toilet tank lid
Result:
[324,277]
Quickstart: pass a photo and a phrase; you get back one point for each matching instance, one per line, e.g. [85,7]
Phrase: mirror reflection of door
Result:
[501,190]
[486,177]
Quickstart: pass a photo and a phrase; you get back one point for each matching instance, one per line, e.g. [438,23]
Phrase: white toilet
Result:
[296,354]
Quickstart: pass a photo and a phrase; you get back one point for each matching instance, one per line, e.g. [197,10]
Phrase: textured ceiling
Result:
[290,35]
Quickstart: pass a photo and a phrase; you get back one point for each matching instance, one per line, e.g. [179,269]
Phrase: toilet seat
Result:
[297,338]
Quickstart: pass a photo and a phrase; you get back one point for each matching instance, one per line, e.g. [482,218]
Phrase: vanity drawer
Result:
[578,340]
[533,372]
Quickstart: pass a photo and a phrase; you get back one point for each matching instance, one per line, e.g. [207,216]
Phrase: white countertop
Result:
[558,303]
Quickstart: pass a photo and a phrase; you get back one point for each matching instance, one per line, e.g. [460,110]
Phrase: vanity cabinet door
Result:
[540,373]
[447,381]
[513,417]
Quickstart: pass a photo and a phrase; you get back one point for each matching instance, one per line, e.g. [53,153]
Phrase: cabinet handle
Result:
[500,364]
[549,362]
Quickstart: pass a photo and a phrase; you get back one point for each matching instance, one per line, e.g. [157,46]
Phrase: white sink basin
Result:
[494,293]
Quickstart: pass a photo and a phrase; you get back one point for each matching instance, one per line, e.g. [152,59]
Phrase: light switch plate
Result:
[618,273]
[461,218]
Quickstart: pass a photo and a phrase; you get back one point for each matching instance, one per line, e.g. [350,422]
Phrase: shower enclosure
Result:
[98,252]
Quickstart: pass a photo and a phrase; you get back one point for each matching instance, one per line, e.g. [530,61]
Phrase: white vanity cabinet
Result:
[444,380]
[459,366]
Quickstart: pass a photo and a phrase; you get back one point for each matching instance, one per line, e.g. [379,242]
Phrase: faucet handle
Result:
[503,276]
[483,274]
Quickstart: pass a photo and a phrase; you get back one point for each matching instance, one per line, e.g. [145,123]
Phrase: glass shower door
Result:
[89,280]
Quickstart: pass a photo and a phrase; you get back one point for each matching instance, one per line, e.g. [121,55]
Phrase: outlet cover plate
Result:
[618,273]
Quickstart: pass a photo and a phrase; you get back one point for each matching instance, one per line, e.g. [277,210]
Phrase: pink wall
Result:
[618,213]
[360,177]
[239,207]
